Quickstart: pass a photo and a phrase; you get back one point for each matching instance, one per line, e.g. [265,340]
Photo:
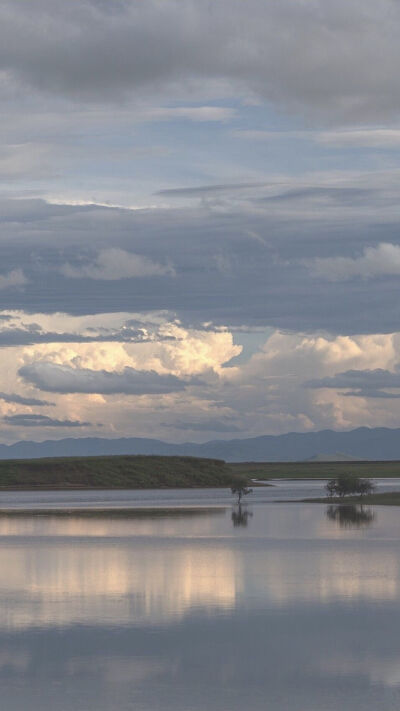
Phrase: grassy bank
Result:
[119,472]
[315,470]
[389,498]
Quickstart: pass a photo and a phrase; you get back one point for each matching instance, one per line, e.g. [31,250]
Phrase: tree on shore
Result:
[240,489]
[348,485]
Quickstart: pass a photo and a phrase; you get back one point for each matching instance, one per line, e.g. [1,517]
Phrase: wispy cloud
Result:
[15,278]
[41,421]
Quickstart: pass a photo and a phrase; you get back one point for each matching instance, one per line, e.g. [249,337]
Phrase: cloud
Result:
[263,392]
[266,239]
[384,138]
[202,190]
[383,260]
[14,278]
[65,379]
[363,383]
[210,425]
[376,379]
[191,113]
[324,52]
[41,421]
[23,160]
[382,394]
[20,400]
[23,329]
[114,264]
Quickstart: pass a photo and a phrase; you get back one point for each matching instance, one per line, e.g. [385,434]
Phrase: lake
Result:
[185,603]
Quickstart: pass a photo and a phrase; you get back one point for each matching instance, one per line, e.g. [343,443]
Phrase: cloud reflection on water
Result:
[113,571]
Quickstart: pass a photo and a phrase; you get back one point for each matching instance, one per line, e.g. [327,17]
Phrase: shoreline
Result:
[388,498]
[128,512]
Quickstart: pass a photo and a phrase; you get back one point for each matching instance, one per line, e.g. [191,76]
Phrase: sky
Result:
[199,217]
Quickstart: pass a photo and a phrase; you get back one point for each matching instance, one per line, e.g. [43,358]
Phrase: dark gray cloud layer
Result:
[237,260]
[29,336]
[363,383]
[315,58]
[55,378]
[28,401]
[41,421]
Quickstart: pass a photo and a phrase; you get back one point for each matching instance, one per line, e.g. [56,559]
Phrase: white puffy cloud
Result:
[270,386]
[113,264]
[383,260]
[199,390]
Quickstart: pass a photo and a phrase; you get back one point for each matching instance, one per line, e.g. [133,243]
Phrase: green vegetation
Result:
[119,472]
[315,470]
[240,489]
[347,484]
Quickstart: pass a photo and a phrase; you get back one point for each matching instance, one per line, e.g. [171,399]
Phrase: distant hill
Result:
[377,444]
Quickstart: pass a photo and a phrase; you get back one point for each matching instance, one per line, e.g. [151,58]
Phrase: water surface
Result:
[289,607]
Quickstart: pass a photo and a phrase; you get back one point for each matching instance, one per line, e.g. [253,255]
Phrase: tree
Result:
[240,489]
[348,484]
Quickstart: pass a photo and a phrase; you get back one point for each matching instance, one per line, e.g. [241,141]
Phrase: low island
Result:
[117,472]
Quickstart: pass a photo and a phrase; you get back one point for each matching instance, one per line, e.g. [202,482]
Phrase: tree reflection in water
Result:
[241,515]
[350,516]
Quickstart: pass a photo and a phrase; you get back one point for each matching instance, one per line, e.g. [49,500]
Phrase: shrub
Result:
[240,490]
[348,484]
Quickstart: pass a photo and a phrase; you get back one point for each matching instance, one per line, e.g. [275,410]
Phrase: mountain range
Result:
[376,444]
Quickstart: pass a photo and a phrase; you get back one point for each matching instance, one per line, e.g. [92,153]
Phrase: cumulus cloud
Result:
[14,278]
[41,421]
[65,379]
[262,392]
[375,262]
[114,264]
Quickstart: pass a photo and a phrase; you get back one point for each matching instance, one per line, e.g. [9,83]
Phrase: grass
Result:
[315,470]
[389,498]
[118,472]
[154,472]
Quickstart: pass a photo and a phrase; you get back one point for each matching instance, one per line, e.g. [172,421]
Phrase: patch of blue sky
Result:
[251,342]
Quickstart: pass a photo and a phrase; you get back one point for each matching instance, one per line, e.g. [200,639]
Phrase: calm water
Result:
[289,607]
